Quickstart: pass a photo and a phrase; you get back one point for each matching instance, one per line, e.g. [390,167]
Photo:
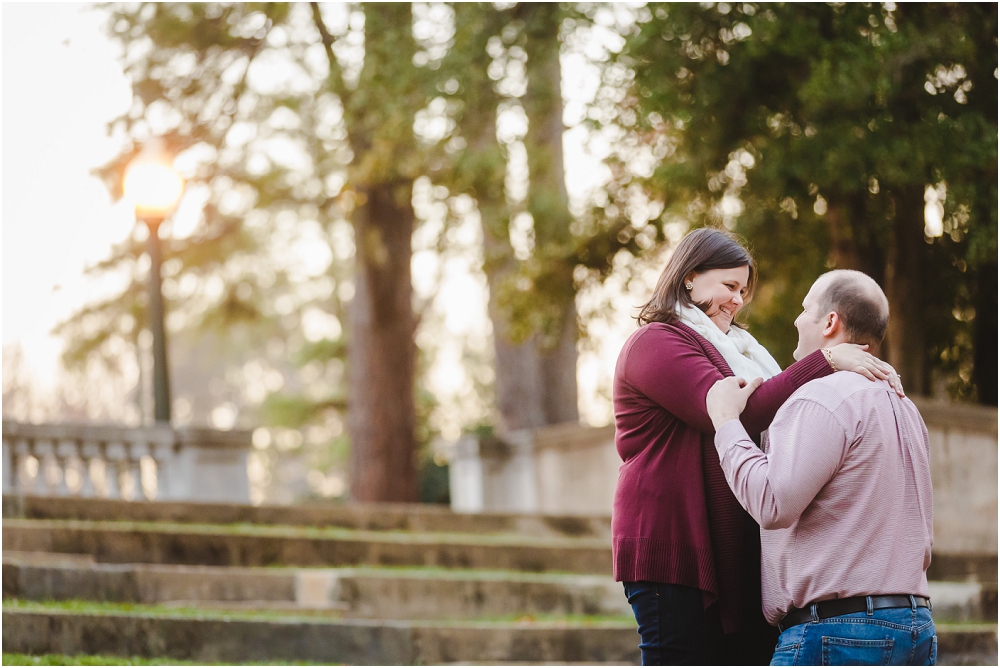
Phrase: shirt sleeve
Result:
[806,446]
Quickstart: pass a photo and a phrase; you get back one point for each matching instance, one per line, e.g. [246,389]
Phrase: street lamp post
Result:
[155,188]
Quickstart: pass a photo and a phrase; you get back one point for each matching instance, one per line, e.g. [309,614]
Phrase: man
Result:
[842,493]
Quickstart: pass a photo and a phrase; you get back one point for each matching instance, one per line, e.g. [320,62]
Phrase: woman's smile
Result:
[723,290]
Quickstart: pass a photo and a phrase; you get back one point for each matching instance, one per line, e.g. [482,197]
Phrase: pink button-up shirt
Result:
[842,493]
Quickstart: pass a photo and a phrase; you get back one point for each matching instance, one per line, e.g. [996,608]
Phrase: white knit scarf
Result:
[745,356]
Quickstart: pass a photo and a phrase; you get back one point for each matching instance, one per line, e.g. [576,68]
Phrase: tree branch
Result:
[336,76]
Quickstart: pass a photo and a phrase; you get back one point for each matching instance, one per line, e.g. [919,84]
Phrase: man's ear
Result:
[831,325]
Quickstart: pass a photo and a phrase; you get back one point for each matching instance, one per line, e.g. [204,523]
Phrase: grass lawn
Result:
[86,660]
[107,660]
[319,616]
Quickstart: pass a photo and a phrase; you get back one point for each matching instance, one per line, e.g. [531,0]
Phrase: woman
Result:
[687,553]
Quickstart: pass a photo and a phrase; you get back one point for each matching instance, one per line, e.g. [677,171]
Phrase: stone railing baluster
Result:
[193,464]
[90,452]
[163,454]
[65,453]
[114,455]
[136,451]
[9,475]
[42,451]
[20,463]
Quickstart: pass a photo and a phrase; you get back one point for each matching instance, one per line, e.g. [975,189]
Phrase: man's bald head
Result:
[860,303]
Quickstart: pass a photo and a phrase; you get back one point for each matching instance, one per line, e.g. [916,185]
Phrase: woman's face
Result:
[722,290]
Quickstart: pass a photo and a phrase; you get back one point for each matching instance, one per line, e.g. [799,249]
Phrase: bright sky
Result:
[61,84]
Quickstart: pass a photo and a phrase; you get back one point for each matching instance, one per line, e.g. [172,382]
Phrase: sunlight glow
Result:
[153,186]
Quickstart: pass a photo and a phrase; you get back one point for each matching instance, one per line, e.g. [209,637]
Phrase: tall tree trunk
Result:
[843,249]
[535,374]
[381,349]
[854,240]
[548,204]
[519,387]
[381,354]
[559,368]
[984,363]
[907,257]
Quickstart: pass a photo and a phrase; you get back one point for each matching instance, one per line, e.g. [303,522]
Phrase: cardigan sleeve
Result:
[768,398]
[674,372]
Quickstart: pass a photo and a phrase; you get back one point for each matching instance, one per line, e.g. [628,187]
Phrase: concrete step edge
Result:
[330,533]
[109,612]
[379,516]
[86,562]
[368,642]
[370,593]
[118,544]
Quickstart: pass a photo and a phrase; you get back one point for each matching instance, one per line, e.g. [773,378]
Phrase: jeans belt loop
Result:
[913,604]
[871,607]
[814,612]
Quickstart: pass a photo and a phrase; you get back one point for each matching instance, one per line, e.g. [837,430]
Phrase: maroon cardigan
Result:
[675,519]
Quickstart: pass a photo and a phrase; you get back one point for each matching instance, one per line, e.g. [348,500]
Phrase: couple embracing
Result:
[764,515]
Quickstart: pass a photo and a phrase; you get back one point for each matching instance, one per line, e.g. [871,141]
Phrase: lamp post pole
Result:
[161,375]
[155,188]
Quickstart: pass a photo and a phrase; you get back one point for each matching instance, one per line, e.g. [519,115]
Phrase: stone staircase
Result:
[377,584]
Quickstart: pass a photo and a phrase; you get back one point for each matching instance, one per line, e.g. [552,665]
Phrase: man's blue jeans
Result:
[888,637]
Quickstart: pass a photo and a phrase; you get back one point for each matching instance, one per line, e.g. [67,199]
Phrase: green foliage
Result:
[190,66]
[807,128]
[270,135]
[15,659]
[434,486]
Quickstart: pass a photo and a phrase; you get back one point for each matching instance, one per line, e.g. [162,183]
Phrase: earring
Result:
[689,285]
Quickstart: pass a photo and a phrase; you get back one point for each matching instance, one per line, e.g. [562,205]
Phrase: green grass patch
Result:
[965,626]
[335,533]
[361,570]
[11,659]
[551,576]
[101,608]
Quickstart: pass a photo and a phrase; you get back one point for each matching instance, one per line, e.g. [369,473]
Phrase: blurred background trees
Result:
[839,136]
[330,148]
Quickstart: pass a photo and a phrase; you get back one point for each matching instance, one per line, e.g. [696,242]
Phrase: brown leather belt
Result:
[846,606]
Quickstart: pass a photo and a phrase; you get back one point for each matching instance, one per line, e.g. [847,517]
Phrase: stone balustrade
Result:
[572,470]
[134,463]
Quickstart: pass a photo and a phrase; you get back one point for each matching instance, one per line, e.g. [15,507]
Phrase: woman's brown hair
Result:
[701,250]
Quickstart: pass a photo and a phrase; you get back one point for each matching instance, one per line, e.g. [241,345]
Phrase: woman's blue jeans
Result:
[888,637]
[676,630]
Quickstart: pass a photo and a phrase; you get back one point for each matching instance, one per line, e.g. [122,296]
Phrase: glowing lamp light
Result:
[153,185]
[154,188]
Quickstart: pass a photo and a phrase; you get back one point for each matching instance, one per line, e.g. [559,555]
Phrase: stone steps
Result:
[213,637]
[351,584]
[964,601]
[346,592]
[365,517]
[368,592]
[213,545]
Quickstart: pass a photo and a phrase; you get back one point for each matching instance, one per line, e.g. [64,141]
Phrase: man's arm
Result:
[806,448]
